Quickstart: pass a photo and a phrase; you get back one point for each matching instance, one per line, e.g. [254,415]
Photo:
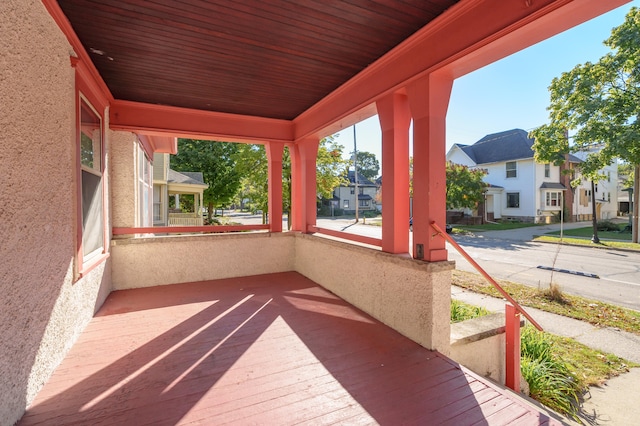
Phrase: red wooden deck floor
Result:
[270,350]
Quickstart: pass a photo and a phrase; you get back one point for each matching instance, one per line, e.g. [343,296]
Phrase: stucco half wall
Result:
[147,262]
[410,296]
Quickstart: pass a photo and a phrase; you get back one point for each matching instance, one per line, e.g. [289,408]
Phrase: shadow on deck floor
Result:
[270,349]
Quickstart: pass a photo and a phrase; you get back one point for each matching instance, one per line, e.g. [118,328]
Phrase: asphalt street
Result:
[607,275]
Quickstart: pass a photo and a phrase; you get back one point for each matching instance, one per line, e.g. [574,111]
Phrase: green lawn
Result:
[587,242]
[587,232]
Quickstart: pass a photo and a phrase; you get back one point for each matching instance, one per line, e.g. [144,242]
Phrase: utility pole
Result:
[355,171]
[594,238]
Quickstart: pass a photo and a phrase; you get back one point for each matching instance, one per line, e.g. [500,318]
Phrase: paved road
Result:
[519,261]
[513,256]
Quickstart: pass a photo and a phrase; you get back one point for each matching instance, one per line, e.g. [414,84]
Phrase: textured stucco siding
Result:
[410,296]
[122,154]
[146,262]
[42,310]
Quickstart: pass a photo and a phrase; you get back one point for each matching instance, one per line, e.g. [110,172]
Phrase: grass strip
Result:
[591,311]
[587,242]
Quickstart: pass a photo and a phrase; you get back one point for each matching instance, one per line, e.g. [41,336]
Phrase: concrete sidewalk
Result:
[614,403]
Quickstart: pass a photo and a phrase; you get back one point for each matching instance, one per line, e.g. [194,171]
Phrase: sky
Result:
[508,94]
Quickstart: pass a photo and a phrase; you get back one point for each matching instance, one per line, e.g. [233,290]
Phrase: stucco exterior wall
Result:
[146,262]
[42,310]
[123,178]
[410,296]
[479,344]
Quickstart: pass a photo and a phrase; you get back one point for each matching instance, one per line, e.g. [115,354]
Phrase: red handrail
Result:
[485,274]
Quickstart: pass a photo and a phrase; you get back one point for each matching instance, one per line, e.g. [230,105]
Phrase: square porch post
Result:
[274,158]
[395,117]
[304,154]
[429,100]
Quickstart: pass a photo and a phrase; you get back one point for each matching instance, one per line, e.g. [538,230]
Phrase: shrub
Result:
[550,380]
[461,311]
[607,225]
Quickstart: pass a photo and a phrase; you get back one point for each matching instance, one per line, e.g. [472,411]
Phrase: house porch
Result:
[268,349]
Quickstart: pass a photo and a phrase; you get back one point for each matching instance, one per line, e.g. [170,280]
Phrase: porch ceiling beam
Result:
[466,37]
[162,120]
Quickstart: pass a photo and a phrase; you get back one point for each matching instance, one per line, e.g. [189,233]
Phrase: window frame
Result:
[518,204]
[144,184]
[508,170]
[85,262]
[548,198]
[547,170]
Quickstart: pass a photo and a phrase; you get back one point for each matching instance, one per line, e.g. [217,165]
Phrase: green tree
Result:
[253,167]
[598,103]
[465,187]
[216,161]
[368,165]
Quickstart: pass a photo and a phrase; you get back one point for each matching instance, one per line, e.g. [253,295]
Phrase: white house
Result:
[521,189]
[345,195]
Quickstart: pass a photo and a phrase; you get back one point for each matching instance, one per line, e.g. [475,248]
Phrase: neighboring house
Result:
[521,189]
[169,183]
[345,195]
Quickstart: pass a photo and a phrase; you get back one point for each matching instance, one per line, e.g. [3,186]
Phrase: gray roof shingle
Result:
[193,178]
[504,146]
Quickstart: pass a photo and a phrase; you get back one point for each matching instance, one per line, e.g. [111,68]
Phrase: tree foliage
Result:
[253,166]
[216,161]
[465,187]
[368,165]
[597,103]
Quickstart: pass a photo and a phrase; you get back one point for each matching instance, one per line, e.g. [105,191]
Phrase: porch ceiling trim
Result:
[162,120]
[493,29]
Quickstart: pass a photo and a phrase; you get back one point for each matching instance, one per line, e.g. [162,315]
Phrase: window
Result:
[547,170]
[346,204]
[511,169]
[145,188]
[91,181]
[157,204]
[513,200]
[553,199]
[360,190]
[353,189]
[364,203]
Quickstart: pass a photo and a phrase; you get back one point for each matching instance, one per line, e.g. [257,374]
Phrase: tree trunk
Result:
[636,201]
[594,238]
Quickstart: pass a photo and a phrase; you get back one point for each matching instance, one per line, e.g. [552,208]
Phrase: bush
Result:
[461,311]
[370,213]
[550,380]
[607,225]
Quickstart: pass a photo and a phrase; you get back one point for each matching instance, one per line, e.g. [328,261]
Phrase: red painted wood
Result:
[512,347]
[270,349]
[429,99]
[188,229]
[347,236]
[395,117]
[274,156]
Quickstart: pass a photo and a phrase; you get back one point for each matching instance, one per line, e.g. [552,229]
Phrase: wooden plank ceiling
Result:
[270,59]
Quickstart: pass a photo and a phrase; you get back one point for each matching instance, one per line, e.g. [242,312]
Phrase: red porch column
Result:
[512,348]
[395,117]
[429,100]
[274,158]
[303,183]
